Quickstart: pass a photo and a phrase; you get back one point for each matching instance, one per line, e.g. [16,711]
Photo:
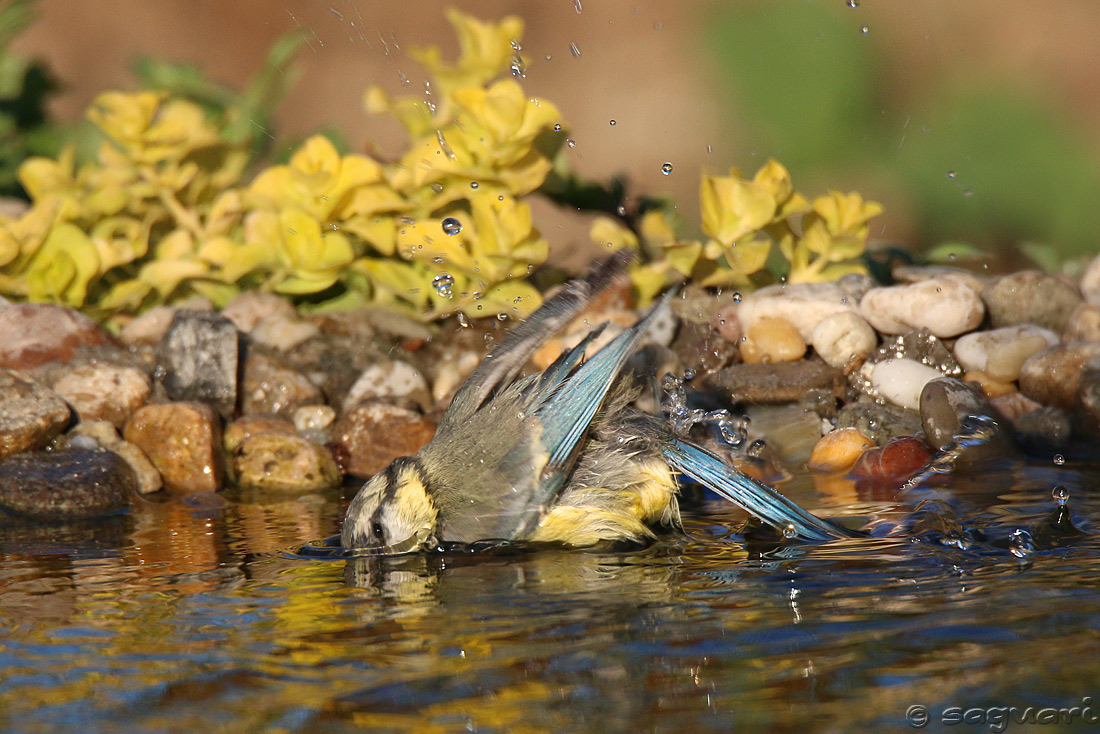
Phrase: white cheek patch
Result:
[410,511]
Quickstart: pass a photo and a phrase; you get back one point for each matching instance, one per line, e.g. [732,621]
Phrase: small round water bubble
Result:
[473,184]
[612,123]
[737,296]
[557,127]
[1060,495]
[502,316]
[451,226]
[853,3]
[571,143]
[666,168]
[864,30]
[1020,543]
[951,174]
[442,284]
[1059,460]
[790,532]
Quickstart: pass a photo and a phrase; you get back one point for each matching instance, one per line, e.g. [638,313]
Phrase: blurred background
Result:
[971,122]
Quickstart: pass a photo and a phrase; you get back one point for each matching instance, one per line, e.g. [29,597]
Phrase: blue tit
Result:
[559,456]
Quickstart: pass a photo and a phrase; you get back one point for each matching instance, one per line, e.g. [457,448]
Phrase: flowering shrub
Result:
[162,211]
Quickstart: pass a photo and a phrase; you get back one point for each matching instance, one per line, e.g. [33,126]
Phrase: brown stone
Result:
[36,333]
[1051,377]
[183,440]
[251,425]
[281,462]
[780,382]
[897,460]
[30,415]
[271,386]
[68,484]
[102,391]
[376,432]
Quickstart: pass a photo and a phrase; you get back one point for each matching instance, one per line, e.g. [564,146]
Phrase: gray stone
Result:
[65,485]
[880,423]
[780,382]
[271,386]
[919,345]
[1030,297]
[1051,376]
[30,415]
[945,402]
[200,356]
[1049,427]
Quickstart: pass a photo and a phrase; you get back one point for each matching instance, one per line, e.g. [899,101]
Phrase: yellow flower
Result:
[328,186]
[62,267]
[486,49]
[734,207]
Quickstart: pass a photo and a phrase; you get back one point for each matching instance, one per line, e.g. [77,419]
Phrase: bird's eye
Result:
[376,528]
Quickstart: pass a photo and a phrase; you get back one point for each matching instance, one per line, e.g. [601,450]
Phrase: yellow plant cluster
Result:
[162,212]
[743,219]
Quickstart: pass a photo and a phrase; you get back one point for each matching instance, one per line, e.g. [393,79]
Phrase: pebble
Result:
[272,386]
[249,308]
[840,338]
[390,379]
[314,417]
[702,348]
[802,304]
[32,334]
[772,339]
[200,356]
[1090,281]
[895,461]
[374,433]
[1030,297]
[30,414]
[901,380]
[919,345]
[992,388]
[1051,376]
[148,328]
[779,382]
[945,402]
[1001,352]
[918,273]
[282,333]
[1088,387]
[103,391]
[944,306]
[838,450]
[790,431]
[880,423]
[1083,324]
[286,463]
[67,484]
[104,435]
[1013,405]
[453,370]
[183,440]
[1049,427]
[250,425]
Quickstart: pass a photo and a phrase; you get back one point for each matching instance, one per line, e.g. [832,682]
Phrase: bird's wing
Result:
[759,500]
[501,366]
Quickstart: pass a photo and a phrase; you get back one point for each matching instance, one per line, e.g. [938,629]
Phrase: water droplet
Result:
[1020,543]
[951,174]
[571,143]
[578,6]
[657,26]
[756,448]
[952,257]
[864,30]
[853,3]
[612,123]
[473,184]
[575,50]
[1059,460]
[1060,495]
[689,374]
[737,296]
[666,168]
[790,532]
[968,193]
[442,284]
[437,188]
[548,57]
[333,226]
[462,321]
[557,127]
[451,226]
[502,316]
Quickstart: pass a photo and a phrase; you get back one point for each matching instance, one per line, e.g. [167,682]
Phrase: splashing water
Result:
[451,226]
[443,283]
[682,418]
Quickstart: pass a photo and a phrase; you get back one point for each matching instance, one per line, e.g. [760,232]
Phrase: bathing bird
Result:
[561,456]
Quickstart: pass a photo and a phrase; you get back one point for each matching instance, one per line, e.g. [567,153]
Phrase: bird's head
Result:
[393,512]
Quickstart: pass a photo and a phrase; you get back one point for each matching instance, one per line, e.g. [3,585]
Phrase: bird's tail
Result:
[759,500]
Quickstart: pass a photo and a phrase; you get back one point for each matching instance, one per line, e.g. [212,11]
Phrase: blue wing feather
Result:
[755,498]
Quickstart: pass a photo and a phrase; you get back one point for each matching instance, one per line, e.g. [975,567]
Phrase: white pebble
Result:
[314,417]
[944,306]
[842,336]
[901,380]
[1001,352]
[389,379]
[803,304]
[282,332]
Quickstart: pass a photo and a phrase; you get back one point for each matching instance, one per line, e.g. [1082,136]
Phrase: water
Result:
[185,617]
